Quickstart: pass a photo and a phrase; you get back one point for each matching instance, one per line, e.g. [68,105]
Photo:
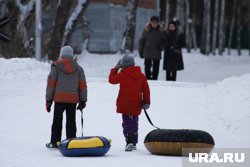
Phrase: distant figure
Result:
[173,55]
[150,46]
[134,94]
[66,87]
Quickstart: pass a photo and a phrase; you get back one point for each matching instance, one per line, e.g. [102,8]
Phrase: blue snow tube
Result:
[86,146]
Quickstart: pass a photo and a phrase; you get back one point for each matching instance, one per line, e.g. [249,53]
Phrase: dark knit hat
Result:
[172,22]
[67,52]
[127,60]
[154,18]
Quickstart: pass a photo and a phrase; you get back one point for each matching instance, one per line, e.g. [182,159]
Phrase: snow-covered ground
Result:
[198,68]
[211,94]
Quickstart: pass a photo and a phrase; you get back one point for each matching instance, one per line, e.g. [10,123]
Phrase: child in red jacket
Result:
[134,94]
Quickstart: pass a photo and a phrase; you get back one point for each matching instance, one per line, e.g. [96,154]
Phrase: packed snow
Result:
[211,94]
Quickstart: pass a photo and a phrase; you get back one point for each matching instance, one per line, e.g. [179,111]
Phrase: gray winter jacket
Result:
[66,82]
[152,42]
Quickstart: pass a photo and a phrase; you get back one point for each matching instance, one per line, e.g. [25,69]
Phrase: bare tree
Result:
[249,38]
[208,33]
[56,35]
[179,15]
[178,10]
[203,35]
[232,27]
[167,19]
[182,15]
[239,27]
[205,45]
[75,18]
[215,27]
[221,27]
[21,44]
[129,35]
[22,23]
[187,26]
[193,32]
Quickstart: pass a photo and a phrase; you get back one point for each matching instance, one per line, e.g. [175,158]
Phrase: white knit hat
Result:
[66,52]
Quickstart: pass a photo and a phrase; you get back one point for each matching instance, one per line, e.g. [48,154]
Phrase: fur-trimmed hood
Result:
[148,27]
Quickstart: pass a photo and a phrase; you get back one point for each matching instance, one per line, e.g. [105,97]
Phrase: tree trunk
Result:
[215,27]
[208,33]
[205,45]
[187,28]
[56,36]
[193,32]
[167,13]
[2,7]
[232,27]
[239,27]
[249,38]
[203,35]
[21,44]
[129,34]
[182,14]
[221,28]
[178,10]
[162,11]
[75,18]
[179,16]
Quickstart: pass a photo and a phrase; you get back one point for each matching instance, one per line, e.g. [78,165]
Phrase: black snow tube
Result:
[175,142]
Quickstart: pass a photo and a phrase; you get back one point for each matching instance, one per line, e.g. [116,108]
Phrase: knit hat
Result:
[154,18]
[127,60]
[66,52]
[172,22]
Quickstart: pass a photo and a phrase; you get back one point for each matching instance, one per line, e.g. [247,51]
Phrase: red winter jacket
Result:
[134,89]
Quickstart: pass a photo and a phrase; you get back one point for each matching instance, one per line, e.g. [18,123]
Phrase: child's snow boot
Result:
[130,147]
[52,145]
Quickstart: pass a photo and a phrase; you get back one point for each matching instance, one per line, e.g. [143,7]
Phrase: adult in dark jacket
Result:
[150,45]
[66,86]
[173,60]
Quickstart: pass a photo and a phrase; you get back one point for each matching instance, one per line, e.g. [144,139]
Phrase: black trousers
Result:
[56,129]
[171,75]
[152,75]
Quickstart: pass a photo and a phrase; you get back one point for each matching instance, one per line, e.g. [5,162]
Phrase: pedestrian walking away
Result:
[134,94]
[66,86]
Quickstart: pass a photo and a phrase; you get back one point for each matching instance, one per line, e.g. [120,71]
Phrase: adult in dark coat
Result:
[150,46]
[173,60]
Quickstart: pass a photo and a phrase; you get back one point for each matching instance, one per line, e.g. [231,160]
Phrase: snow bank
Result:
[227,105]
[17,69]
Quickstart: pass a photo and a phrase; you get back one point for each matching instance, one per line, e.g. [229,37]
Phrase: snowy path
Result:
[221,108]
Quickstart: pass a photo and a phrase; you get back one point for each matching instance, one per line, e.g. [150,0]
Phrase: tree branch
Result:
[75,17]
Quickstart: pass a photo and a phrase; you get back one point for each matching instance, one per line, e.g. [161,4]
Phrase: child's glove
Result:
[145,106]
[48,105]
[81,105]
[118,65]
